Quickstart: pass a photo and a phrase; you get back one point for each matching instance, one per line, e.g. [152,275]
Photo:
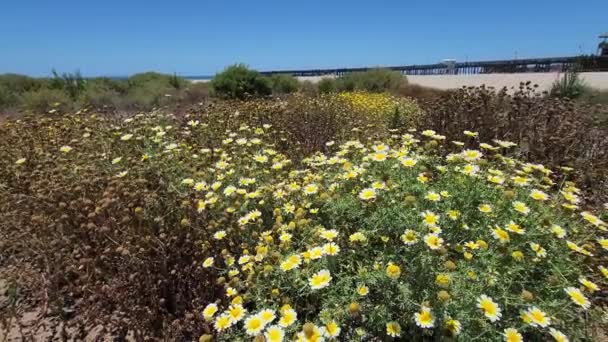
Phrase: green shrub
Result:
[18,84]
[103,93]
[43,100]
[570,86]
[283,84]
[155,79]
[419,92]
[595,96]
[240,82]
[327,85]
[196,92]
[149,90]
[7,97]
[12,86]
[309,88]
[375,80]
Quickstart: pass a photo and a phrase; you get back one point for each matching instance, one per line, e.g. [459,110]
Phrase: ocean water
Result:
[205,77]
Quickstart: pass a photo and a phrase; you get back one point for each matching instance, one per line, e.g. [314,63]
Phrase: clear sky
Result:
[198,37]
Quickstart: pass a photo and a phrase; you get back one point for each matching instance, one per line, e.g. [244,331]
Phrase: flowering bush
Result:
[383,106]
[388,239]
[187,227]
[552,131]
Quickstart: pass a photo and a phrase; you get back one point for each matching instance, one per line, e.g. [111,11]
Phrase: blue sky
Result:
[198,37]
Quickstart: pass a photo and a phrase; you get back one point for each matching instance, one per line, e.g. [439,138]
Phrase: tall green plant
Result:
[569,86]
[72,83]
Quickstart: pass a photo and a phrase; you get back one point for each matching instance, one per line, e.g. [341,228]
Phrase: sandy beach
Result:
[597,80]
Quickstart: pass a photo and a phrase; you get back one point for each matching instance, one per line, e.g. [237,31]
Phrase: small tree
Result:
[239,82]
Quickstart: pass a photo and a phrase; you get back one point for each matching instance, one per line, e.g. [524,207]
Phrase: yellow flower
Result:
[254,325]
[393,329]
[519,180]
[231,291]
[485,208]
[453,214]
[331,249]
[538,317]
[332,329]
[517,255]
[260,158]
[209,311]
[430,218]
[292,262]
[220,234]
[329,234]
[288,317]
[311,189]
[393,271]
[65,149]
[20,161]
[594,220]
[512,335]
[367,194]
[208,262]
[363,290]
[539,195]
[558,231]
[501,235]
[433,241]
[443,280]
[515,228]
[604,271]
[310,333]
[379,156]
[126,137]
[521,207]
[471,155]
[558,335]
[408,162]
[578,297]
[540,251]
[267,315]
[589,285]
[433,196]
[320,280]
[223,322]
[453,326]
[490,309]
[357,237]
[236,312]
[274,333]
[496,179]
[409,237]
[424,318]
[603,243]
[187,181]
[315,253]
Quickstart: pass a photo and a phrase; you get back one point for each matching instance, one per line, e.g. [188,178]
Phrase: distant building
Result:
[602,48]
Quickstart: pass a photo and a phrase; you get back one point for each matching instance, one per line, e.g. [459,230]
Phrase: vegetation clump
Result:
[240,82]
[230,224]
